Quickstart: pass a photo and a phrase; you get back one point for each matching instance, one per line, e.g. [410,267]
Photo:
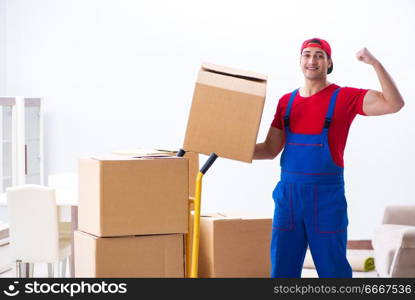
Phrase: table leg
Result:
[74,226]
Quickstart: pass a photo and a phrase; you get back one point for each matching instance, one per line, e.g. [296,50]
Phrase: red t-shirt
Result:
[308,114]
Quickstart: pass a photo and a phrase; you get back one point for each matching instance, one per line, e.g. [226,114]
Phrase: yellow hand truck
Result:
[192,248]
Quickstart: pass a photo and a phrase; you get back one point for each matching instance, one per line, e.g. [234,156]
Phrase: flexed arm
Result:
[378,103]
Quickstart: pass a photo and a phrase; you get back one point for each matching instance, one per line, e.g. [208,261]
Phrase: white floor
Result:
[8,269]
[42,271]
[312,273]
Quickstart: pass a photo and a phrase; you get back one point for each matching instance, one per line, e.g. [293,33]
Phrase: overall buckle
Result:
[327,122]
[286,122]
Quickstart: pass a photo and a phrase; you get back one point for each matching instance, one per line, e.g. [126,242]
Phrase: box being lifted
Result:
[226,112]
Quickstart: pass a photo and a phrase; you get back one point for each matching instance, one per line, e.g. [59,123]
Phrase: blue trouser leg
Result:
[289,241]
[288,250]
[314,215]
[329,254]
[327,230]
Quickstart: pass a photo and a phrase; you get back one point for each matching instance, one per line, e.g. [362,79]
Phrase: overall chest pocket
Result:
[304,156]
[330,208]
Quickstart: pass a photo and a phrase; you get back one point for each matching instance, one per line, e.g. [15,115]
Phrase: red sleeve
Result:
[355,99]
[278,121]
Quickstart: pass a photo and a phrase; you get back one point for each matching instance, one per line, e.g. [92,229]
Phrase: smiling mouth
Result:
[312,69]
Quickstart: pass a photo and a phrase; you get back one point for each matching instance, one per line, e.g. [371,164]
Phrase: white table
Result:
[64,198]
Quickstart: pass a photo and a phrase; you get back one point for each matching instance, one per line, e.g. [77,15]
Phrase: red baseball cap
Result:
[319,43]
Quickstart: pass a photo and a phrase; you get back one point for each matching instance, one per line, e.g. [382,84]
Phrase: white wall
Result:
[2,47]
[120,74]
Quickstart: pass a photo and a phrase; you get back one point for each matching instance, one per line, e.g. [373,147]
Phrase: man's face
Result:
[314,63]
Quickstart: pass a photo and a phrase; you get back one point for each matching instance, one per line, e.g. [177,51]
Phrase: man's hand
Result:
[365,56]
[272,146]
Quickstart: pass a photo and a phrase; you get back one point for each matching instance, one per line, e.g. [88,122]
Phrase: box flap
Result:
[236,216]
[124,157]
[83,233]
[247,215]
[141,152]
[212,215]
[248,75]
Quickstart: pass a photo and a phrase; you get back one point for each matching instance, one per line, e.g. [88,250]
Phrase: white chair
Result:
[34,229]
[5,264]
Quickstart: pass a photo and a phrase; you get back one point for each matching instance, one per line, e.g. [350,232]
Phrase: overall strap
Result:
[330,111]
[288,110]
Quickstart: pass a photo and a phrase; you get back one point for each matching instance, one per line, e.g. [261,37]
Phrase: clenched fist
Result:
[365,56]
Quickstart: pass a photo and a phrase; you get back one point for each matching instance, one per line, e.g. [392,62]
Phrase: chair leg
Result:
[18,268]
[26,270]
[58,271]
[51,270]
[23,270]
[64,263]
[70,266]
[31,270]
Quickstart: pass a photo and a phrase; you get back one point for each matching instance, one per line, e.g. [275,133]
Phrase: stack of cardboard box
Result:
[133,214]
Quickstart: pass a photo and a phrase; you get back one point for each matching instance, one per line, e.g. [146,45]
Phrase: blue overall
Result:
[310,205]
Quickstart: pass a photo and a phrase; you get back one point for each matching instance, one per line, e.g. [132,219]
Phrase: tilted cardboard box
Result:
[121,196]
[129,256]
[226,112]
[234,245]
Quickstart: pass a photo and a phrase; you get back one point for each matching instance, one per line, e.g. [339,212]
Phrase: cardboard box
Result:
[234,246]
[226,112]
[121,196]
[192,156]
[130,256]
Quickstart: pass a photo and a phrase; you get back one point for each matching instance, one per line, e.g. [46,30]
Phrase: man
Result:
[312,124]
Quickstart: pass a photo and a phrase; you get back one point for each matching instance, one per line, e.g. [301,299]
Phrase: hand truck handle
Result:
[208,163]
[181,153]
